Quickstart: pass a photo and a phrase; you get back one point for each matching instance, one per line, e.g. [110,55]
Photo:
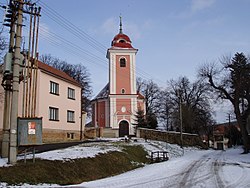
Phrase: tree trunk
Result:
[242,121]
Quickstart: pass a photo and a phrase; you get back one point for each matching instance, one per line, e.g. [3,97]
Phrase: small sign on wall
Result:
[32,127]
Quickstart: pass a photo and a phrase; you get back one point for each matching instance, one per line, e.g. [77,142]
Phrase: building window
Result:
[123,91]
[122,62]
[70,116]
[70,135]
[53,114]
[54,88]
[71,93]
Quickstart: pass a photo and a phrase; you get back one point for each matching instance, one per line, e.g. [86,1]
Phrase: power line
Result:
[60,20]
[53,38]
[55,16]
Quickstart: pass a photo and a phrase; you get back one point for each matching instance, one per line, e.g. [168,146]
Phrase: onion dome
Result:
[121,40]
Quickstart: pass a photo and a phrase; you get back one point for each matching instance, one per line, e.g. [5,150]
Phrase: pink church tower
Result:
[114,108]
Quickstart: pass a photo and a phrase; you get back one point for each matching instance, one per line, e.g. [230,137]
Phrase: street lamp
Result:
[180,101]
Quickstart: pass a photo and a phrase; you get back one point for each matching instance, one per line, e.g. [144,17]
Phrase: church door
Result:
[123,128]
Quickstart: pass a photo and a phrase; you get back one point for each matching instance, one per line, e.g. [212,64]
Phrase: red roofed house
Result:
[114,108]
[227,135]
[58,102]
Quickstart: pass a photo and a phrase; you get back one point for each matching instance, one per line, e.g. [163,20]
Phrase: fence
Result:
[159,156]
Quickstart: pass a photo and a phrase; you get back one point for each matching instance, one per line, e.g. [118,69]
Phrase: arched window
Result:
[122,41]
[122,62]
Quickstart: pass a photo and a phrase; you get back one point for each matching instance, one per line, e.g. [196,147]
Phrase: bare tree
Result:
[194,103]
[165,106]
[3,46]
[151,91]
[231,81]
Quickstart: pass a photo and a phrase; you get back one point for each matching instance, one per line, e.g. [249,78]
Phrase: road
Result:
[213,169]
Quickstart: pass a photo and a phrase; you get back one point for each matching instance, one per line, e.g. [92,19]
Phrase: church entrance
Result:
[123,128]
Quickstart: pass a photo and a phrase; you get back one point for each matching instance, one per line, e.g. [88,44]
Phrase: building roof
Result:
[221,128]
[121,41]
[103,94]
[57,73]
[140,96]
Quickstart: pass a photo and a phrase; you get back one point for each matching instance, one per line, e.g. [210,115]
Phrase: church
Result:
[116,105]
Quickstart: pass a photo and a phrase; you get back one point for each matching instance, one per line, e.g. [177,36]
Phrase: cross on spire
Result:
[120,24]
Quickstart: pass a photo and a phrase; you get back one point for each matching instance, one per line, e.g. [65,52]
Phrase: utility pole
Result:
[11,73]
[16,66]
[8,85]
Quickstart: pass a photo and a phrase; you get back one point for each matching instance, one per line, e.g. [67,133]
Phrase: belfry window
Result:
[122,62]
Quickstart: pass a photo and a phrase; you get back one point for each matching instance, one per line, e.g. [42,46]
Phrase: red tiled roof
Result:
[122,45]
[220,129]
[121,41]
[56,73]
[122,36]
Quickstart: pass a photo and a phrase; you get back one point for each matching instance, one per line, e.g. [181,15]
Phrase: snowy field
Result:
[190,167]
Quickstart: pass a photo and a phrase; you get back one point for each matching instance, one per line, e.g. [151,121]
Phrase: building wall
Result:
[119,74]
[101,112]
[53,131]
[123,80]
[123,106]
[61,101]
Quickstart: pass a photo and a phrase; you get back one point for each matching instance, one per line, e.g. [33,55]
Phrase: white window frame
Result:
[70,116]
[71,93]
[53,114]
[54,88]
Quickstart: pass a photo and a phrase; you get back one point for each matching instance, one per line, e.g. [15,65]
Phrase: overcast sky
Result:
[174,38]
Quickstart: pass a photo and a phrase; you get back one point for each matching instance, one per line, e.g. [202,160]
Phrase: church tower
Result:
[119,98]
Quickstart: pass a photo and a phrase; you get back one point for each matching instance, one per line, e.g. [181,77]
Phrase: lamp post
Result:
[181,122]
[180,101]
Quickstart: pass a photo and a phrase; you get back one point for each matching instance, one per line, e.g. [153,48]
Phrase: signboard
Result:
[29,131]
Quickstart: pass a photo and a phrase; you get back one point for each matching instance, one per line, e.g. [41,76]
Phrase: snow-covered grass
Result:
[228,168]
[95,148]
[74,152]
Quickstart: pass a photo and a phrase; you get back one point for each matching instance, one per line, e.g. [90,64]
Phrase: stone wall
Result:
[93,132]
[171,137]
[54,135]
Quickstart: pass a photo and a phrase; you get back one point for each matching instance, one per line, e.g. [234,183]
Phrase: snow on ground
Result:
[188,167]
[195,169]
[74,152]
[80,151]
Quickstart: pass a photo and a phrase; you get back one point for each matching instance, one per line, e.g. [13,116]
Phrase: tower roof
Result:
[121,40]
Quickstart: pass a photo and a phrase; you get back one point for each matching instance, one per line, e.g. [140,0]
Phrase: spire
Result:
[120,24]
